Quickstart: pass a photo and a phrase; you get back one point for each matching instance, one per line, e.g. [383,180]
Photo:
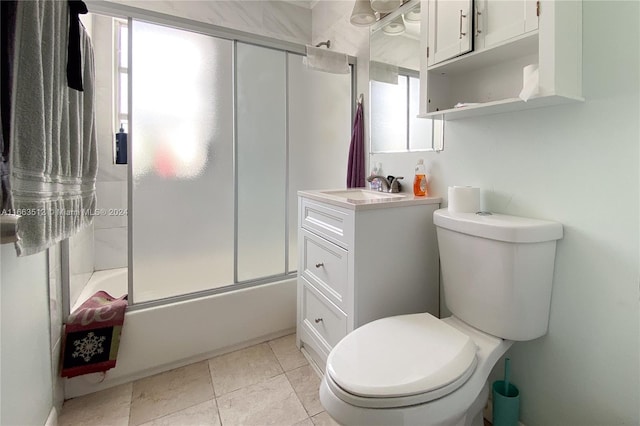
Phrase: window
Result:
[394,123]
[121,75]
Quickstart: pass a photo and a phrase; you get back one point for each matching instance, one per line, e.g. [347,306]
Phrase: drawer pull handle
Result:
[319,265]
[317,320]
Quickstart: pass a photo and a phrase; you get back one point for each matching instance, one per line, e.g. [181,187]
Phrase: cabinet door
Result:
[498,20]
[531,15]
[450,27]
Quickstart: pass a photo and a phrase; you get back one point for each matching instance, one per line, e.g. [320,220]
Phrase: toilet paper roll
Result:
[464,199]
[529,82]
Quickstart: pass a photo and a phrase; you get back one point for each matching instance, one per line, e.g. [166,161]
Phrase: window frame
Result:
[120,72]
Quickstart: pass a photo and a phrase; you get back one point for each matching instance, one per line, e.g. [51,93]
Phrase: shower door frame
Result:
[130,13]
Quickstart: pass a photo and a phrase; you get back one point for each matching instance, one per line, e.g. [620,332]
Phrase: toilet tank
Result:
[497,271]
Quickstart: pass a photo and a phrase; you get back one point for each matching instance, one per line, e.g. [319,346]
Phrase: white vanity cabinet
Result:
[361,260]
[507,36]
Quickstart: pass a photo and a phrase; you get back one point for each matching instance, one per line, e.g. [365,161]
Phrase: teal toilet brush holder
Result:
[506,400]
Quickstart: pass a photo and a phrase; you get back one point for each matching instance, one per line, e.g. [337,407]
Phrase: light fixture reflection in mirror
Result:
[394,74]
[395,27]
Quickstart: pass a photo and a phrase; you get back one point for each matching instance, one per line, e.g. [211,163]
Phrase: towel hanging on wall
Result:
[325,60]
[355,168]
[53,159]
[7,38]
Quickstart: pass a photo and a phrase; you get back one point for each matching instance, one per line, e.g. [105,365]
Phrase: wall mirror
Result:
[394,78]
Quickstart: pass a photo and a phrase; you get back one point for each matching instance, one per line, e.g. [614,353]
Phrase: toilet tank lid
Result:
[513,229]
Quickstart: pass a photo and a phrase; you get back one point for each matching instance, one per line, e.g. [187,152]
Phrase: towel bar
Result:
[9,228]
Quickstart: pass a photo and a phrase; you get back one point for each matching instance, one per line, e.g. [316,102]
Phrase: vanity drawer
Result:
[325,320]
[326,266]
[333,223]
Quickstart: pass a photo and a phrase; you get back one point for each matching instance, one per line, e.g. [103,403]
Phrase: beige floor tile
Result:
[242,368]
[323,419]
[306,384]
[169,392]
[273,402]
[287,352]
[205,414]
[305,422]
[107,407]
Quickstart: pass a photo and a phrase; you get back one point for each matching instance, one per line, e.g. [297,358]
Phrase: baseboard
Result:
[52,420]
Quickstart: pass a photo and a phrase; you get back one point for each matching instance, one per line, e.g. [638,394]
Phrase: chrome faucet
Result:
[387,184]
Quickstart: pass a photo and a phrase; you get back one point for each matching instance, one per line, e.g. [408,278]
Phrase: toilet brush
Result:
[507,371]
[506,399]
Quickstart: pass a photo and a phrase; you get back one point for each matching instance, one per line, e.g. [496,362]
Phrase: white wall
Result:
[578,165]
[26,389]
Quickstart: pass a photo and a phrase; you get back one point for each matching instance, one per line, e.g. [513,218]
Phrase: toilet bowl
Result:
[450,390]
[417,369]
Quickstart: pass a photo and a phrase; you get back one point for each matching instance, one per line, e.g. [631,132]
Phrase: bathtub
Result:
[172,335]
[113,281]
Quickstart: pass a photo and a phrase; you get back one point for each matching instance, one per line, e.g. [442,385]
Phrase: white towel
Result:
[53,160]
[325,60]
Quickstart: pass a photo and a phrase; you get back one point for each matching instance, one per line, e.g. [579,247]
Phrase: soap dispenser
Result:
[121,146]
[420,181]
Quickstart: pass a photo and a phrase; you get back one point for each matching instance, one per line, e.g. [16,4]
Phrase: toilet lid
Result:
[401,356]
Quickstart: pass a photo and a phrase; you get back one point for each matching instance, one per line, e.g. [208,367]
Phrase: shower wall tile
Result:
[243,16]
[81,260]
[275,19]
[112,199]
[327,13]
[111,248]
[285,19]
[331,22]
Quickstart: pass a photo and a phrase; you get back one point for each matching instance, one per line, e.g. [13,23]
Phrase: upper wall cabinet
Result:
[449,29]
[476,52]
[497,21]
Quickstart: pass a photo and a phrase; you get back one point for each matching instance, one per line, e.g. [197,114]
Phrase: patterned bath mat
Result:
[92,335]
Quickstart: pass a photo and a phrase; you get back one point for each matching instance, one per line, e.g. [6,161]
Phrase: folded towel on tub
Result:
[92,335]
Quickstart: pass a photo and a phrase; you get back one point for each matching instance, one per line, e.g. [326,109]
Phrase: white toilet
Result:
[497,272]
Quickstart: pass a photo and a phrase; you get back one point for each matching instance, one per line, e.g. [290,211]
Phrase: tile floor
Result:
[267,384]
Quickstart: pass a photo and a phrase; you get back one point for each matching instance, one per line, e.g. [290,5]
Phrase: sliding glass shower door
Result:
[261,90]
[209,163]
[183,162]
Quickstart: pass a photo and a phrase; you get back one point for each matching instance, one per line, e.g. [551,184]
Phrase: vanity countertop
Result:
[364,199]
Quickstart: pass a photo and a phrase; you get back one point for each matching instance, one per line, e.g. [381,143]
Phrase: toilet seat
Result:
[400,361]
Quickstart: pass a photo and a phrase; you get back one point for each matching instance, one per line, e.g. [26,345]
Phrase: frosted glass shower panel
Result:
[182,143]
[261,161]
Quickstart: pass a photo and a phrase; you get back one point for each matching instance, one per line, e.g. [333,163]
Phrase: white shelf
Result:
[496,107]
